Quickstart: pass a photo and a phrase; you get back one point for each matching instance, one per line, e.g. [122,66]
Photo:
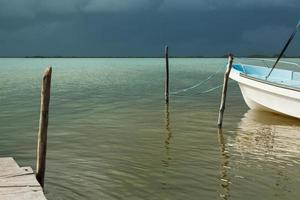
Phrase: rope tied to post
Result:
[200,84]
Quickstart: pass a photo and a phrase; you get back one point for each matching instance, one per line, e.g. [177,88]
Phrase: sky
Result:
[143,27]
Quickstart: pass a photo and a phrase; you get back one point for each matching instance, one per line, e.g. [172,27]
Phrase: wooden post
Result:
[43,126]
[167,75]
[224,91]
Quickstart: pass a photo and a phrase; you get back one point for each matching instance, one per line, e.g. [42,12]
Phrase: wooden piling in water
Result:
[43,127]
[167,75]
[224,91]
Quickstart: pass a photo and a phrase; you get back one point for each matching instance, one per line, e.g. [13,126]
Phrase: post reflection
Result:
[224,167]
[167,160]
[167,125]
[168,136]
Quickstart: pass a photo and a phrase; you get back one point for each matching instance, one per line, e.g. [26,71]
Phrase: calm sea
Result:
[112,137]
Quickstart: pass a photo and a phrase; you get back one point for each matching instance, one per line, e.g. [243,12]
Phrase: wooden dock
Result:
[21,183]
[18,183]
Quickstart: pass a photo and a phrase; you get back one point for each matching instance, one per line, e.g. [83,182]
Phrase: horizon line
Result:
[223,56]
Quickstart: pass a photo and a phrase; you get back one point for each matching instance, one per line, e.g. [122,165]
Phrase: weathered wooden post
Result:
[167,74]
[43,127]
[224,91]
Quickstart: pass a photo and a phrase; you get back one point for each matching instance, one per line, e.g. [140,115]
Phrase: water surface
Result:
[112,137]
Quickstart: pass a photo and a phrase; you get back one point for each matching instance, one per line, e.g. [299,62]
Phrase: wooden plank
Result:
[18,183]
[21,193]
[23,180]
[9,167]
[27,169]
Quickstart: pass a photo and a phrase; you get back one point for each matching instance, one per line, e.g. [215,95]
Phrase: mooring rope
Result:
[198,84]
[203,92]
[211,89]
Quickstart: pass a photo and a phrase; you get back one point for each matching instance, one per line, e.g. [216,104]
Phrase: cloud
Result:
[143,27]
[60,6]
[267,34]
[31,8]
[220,5]
[13,8]
[272,37]
[35,8]
[107,6]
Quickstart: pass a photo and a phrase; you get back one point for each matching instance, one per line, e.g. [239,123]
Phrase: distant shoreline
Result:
[225,56]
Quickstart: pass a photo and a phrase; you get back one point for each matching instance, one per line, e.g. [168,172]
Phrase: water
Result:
[112,137]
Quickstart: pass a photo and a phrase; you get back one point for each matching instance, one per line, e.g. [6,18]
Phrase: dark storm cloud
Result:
[142,27]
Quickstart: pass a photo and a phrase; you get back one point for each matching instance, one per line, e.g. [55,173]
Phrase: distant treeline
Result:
[268,56]
[224,56]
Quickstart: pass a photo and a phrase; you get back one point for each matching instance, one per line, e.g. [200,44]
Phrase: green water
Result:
[112,137]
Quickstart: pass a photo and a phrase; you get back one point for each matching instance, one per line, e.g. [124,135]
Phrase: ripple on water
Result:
[112,137]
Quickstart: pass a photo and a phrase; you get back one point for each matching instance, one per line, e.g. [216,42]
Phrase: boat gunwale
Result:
[270,82]
[276,84]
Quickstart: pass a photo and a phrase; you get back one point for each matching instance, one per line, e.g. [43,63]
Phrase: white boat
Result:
[279,92]
[270,89]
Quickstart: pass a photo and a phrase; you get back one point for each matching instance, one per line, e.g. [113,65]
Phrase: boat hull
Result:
[261,95]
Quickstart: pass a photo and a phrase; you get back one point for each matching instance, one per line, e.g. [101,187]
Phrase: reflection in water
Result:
[166,162]
[167,124]
[272,139]
[224,167]
[269,136]
[265,149]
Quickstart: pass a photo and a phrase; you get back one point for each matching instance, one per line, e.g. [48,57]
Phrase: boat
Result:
[269,88]
[279,93]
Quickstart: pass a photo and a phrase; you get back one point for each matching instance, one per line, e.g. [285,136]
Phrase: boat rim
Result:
[280,85]
[265,81]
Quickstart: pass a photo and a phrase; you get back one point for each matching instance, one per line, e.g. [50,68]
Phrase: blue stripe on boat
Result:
[282,76]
